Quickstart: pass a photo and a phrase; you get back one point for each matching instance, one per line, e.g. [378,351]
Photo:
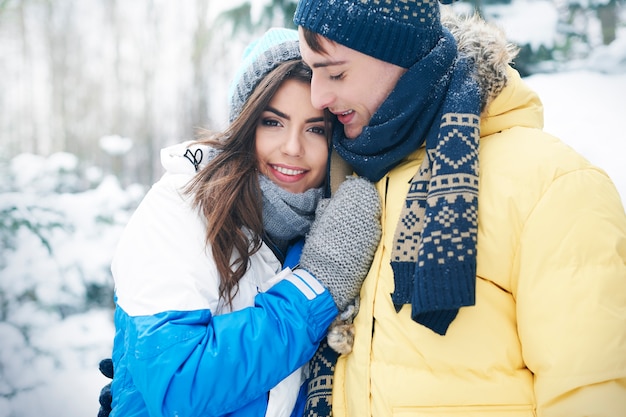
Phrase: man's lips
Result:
[345,117]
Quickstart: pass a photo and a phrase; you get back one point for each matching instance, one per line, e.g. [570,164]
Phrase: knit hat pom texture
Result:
[276,46]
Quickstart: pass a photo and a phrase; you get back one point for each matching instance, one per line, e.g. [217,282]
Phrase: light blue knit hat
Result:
[397,31]
[276,46]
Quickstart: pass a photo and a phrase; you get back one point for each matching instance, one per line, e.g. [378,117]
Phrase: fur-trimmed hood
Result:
[486,45]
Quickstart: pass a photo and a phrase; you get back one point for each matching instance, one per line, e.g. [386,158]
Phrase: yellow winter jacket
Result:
[547,336]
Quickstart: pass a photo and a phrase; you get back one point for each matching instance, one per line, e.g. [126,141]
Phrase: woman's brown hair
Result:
[227,191]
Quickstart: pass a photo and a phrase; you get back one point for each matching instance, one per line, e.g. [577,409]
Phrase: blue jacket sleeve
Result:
[192,363]
[292,259]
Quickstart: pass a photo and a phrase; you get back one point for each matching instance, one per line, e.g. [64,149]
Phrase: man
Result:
[499,285]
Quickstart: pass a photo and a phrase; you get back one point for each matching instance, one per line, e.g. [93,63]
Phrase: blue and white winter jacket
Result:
[181,351]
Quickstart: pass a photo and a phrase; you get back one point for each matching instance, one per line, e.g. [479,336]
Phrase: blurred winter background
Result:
[90,90]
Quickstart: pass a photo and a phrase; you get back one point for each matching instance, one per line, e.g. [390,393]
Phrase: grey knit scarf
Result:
[287,215]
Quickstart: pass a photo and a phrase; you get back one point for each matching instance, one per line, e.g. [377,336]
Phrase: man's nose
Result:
[322,95]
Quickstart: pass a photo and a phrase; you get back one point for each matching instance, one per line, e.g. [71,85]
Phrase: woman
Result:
[206,322]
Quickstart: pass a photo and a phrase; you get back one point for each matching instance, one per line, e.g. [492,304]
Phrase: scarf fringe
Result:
[436,302]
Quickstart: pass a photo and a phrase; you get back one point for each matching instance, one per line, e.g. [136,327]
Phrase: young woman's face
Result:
[350,84]
[291,144]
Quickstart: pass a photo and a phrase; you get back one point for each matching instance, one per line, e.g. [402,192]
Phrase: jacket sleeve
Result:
[191,363]
[571,297]
[172,347]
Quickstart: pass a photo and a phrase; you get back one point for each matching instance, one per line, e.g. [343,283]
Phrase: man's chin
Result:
[352,132]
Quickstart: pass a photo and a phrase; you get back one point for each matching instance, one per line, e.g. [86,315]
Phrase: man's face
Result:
[350,84]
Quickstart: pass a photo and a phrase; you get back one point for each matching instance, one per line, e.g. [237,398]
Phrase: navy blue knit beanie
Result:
[396,31]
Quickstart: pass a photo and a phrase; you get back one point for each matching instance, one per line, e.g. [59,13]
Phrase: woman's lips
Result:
[287,174]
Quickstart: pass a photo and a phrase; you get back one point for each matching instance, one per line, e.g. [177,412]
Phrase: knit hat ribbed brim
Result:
[397,31]
[276,46]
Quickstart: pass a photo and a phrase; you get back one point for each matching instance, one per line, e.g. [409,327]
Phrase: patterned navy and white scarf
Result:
[436,104]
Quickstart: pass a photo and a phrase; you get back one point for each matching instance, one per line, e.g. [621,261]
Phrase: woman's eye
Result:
[336,77]
[270,122]
[318,130]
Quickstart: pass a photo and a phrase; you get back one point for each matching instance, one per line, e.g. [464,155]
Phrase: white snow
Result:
[50,349]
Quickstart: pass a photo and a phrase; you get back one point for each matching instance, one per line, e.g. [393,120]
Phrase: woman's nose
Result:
[292,145]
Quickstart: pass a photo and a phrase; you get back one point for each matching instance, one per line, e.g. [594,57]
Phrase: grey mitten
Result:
[343,239]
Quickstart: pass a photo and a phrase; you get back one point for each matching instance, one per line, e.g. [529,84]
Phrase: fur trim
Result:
[486,45]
